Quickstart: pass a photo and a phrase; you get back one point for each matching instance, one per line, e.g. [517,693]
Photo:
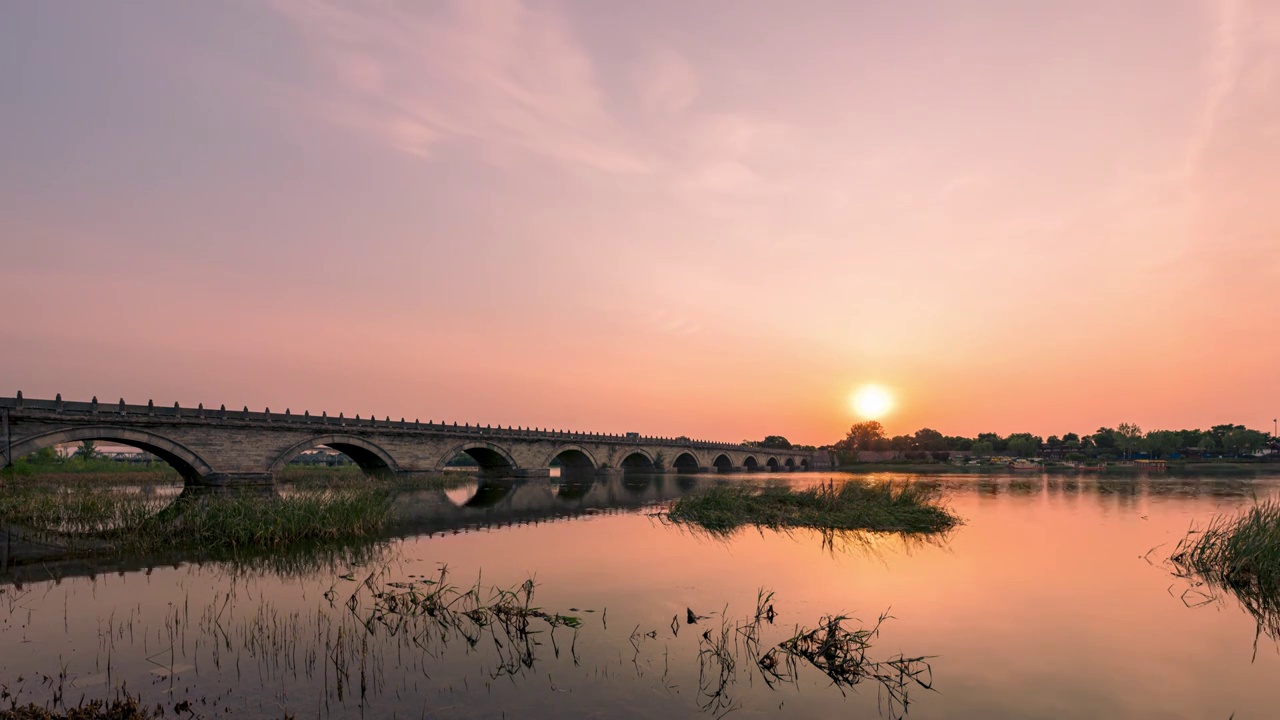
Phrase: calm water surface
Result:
[1046,603]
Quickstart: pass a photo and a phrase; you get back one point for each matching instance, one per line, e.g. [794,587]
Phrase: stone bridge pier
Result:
[243,447]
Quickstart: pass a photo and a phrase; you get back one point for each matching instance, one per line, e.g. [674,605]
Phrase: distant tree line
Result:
[1123,441]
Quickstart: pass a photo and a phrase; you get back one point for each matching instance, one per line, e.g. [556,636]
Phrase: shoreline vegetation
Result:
[1230,444]
[878,507]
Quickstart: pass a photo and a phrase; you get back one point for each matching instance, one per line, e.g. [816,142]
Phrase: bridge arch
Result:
[492,458]
[750,463]
[574,457]
[370,457]
[771,463]
[722,463]
[790,463]
[189,465]
[804,463]
[686,462]
[638,460]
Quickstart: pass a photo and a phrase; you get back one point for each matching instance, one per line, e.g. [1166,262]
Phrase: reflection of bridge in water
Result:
[485,503]
[497,503]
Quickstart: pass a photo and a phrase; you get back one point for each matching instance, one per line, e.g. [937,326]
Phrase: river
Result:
[1052,600]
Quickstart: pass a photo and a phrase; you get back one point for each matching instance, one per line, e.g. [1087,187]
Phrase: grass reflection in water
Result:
[359,641]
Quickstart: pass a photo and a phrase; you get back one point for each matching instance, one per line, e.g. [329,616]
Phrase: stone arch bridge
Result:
[231,447]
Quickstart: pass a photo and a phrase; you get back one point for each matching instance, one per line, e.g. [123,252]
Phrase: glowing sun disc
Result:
[872,401]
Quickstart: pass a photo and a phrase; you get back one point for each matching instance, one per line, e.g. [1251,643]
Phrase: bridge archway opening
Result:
[722,463]
[334,452]
[686,463]
[771,463]
[751,464]
[804,464]
[638,463]
[572,465]
[790,463]
[481,458]
[106,444]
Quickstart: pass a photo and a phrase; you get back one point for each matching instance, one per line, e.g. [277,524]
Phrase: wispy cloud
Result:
[1223,70]
[666,82]
[495,74]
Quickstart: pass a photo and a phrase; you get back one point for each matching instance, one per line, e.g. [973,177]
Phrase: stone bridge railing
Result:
[107,411]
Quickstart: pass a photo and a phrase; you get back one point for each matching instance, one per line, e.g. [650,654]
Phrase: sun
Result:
[872,401]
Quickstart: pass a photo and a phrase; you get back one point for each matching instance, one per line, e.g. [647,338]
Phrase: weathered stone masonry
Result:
[224,447]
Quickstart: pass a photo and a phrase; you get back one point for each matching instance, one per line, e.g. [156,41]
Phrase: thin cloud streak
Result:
[493,74]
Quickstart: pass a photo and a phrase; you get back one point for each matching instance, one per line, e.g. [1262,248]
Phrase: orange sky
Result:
[681,219]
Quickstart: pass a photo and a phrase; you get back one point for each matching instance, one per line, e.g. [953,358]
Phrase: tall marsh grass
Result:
[1241,555]
[132,522]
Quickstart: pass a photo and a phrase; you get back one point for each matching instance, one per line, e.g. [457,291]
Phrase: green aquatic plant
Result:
[1241,555]
[881,506]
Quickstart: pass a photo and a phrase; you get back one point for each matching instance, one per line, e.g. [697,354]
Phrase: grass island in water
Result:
[882,506]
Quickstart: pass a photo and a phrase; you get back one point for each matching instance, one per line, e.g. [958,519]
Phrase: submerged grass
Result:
[126,708]
[880,506]
[1240,554]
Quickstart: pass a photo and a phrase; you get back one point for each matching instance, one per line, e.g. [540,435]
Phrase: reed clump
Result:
[235,522]
[1240,554]
[1241,551]
[879,506]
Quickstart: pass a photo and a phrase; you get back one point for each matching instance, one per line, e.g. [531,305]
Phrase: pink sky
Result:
[714,219]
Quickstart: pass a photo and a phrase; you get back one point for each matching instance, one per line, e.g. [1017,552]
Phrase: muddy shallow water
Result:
[1046,603]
